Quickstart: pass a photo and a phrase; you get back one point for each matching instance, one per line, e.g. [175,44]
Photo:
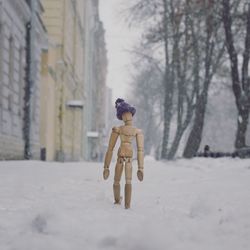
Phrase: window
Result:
[28,2]
[11,60]
[20,81]
[1,64]
[1,70]
[11,73]
[34,104]
[10,102]
[1,93]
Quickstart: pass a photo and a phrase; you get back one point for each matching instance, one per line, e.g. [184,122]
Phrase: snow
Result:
[194,204]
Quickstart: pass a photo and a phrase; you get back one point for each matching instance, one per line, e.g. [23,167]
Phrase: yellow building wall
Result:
[53,19]
[48,105]
[64,22]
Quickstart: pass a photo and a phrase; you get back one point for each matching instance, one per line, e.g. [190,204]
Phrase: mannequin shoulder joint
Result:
[116,130]
[139,132]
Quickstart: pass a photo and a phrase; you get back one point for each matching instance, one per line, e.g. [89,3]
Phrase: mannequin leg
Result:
[117,179]
[128,185]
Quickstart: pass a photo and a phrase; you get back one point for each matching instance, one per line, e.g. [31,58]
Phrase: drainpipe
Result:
[29,72]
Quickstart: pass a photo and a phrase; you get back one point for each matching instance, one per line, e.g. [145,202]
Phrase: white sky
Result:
[119,38]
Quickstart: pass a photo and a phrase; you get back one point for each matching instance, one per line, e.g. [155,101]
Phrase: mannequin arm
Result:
[140,154]
[112,142]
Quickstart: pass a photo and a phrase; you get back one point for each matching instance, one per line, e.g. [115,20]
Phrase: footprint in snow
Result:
[39,224]
[108,241]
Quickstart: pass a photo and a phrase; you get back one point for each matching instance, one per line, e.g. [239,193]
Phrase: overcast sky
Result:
[119,38]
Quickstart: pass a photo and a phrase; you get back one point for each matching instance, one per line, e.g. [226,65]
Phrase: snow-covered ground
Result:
[199,204]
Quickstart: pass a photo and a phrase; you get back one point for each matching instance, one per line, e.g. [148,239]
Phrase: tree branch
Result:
[227,21]
[246,55]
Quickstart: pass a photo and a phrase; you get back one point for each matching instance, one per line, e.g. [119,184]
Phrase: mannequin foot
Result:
[118,202]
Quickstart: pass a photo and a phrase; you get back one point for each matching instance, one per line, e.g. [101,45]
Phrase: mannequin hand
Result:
[105,173]
[140,174]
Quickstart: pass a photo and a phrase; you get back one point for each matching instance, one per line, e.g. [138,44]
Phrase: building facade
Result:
[53,67]
[95,80]
[62,120]
[22,37]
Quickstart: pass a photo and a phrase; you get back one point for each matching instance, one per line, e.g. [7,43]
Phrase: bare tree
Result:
[197,49]
[155,15]
[189,34]
[182,53]
[168,80]
[211,46]
[148,101]
[240,85]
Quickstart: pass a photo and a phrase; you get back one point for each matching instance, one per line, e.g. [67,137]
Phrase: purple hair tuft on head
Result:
[122,107]
[118,101]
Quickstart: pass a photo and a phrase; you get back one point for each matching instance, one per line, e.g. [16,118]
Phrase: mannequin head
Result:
[127,117]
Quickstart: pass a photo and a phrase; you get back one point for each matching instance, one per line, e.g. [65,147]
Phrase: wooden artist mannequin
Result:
[125,153]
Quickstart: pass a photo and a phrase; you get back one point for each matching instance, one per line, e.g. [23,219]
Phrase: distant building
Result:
[110,118]
[63,81]
[95,81]
[22,37]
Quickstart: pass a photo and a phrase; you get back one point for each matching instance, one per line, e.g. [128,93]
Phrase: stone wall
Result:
[14,15]
[12,72]
[11,149]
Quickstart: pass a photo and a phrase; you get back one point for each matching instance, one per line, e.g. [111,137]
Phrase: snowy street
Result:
[199,204]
